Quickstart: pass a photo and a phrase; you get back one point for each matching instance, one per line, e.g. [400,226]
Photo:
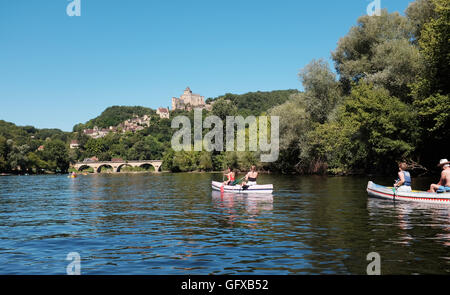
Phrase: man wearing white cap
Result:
[444,183]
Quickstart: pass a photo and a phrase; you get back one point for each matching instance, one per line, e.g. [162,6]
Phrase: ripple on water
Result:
[173,224]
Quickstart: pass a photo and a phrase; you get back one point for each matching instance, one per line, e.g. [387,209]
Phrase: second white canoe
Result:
[257,189]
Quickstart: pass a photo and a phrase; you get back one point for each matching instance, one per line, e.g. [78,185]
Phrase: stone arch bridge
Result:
[116,166]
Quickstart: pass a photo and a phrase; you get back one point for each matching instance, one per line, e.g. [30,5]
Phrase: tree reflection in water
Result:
[231,204]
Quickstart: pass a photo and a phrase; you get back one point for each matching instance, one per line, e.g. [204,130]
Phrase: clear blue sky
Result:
[57,71]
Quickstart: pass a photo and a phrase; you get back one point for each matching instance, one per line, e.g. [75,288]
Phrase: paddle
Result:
[238,181]
[222,188]
[394,190]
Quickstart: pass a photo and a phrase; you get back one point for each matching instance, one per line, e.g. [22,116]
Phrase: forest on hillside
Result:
[20,153]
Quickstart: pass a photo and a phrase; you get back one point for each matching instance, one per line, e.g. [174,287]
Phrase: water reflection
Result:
[173,224]
[257,204]
[230,206]
[409,216]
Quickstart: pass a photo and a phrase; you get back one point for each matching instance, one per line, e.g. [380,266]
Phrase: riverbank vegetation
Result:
[21,149]
[387,100]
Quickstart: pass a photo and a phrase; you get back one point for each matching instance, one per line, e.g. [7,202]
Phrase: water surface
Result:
[173,224]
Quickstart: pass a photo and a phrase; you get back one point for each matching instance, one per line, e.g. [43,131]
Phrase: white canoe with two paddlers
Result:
[390,193]
[257,188]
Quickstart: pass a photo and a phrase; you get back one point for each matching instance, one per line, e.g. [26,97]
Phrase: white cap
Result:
[444,162]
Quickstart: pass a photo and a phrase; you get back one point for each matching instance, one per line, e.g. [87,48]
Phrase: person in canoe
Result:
[444,183]
[403,183]
[250,178]
[230,177]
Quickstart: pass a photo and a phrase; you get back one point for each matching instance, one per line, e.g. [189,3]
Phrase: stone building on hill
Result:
[188,101]
[163,113]
[98,132]
[74,144]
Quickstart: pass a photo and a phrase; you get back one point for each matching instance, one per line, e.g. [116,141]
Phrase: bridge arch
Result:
[84,167]
[123,165]
[108,166]
[144,165]
[117,166]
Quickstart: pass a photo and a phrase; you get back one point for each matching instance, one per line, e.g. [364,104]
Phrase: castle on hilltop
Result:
[188,100]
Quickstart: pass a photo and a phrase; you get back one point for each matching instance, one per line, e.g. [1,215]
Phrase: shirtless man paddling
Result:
[444,182]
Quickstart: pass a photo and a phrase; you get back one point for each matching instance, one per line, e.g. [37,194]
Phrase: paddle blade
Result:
[222,189]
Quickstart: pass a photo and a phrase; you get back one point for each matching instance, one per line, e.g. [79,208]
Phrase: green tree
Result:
[431,91]
[231,160]
[3,164]
[295,122]
[394,66]
[184,161]
[321,90]
[18,158]
[36,163]
[378,50]
[4,150]
[223,108]
[435,49]
[205,161]
[419,13]
[434,112]
[94,147]
[372,131]
[113,116]
[82,139]
[434,116]
[56,154]
[255,103]
[246,159]
[168,160]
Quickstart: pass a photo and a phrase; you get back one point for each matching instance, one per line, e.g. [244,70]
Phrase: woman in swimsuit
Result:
[230,177]
[250,178]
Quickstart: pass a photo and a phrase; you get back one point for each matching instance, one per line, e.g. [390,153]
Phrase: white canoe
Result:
[256,189]
[384,192]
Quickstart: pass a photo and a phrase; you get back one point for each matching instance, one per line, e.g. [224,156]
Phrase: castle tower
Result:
[188,100]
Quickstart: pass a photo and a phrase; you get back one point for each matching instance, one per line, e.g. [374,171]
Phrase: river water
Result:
[173,224]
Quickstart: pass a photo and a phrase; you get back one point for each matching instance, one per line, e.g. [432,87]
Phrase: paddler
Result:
[250,178]
[444,183]
[230,177]
[403,183]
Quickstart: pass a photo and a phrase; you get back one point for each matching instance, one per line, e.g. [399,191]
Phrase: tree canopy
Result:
[113,116]
[391,100]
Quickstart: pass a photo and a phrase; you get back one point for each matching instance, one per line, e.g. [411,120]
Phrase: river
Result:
[173,224]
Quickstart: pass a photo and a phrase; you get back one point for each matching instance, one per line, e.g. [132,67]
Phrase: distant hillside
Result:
[254,103]
[113,116]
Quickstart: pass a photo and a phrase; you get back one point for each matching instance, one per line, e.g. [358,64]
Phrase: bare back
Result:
[445,177]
